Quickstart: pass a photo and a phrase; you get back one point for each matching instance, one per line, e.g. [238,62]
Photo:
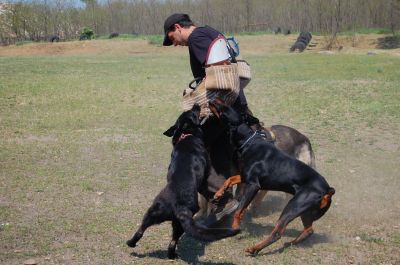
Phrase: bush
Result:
[155,39]
[113,35]
[23,42]
[86,34]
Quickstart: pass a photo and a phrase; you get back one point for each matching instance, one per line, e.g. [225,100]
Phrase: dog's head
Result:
[187,123]
[229,115]
[225,113]
[236,123]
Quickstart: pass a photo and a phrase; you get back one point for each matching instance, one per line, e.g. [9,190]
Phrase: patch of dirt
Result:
[255,44]
[80,47]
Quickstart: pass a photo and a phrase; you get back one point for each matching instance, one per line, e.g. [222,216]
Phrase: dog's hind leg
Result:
[308,229]
[312,215]
[298,205]
[154,215]
[177,232]
[139,233]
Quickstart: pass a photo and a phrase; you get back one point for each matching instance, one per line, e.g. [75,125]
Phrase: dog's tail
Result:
[198,231]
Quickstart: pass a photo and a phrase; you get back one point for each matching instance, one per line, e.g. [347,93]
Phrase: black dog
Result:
[265,167]
[187,174]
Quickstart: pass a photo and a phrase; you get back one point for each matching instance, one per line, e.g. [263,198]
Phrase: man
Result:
[180,30]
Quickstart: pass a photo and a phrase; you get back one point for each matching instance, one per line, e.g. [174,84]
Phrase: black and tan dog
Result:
[187,174]
[265,167]
[223,159]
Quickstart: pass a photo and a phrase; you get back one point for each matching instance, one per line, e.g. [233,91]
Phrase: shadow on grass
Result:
[389,42]
[189,250]
[263,231]
[271,205]
[160,254]
[307,243]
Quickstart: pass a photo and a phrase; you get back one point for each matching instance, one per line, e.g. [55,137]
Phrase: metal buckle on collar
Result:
[260,133]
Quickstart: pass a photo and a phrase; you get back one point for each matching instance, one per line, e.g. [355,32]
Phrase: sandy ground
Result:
[261,43]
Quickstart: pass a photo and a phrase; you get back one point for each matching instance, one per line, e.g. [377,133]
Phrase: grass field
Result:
[82,153]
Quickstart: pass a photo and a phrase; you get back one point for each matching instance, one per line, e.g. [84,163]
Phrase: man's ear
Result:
[170,132]
[177,27]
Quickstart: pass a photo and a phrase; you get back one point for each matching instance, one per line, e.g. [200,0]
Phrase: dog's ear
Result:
[251,120]
[196,109]
[170,132]
[195,117]
[219,101]
[213,105]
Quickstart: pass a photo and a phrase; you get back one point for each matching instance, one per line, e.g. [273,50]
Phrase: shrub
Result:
[113,35]
[155,39]
[86,34]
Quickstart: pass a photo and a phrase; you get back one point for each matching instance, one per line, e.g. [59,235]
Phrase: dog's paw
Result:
[131,243]
[172,255]
[236,231]
[252,250]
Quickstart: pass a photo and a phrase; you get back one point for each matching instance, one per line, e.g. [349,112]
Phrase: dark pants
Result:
[222,158]
[222,155]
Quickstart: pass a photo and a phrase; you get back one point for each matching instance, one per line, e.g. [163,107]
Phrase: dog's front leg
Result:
[227,184]
[249,193]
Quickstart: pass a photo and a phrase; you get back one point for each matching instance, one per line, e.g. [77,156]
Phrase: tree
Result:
[394,15]
[91,5]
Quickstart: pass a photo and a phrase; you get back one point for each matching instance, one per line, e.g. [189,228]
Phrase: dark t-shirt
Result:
[198,43]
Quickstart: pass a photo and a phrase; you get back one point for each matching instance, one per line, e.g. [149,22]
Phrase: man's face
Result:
[178,36]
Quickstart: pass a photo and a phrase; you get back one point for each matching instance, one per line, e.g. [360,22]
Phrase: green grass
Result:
[152,39]
[23,42]
[369,31]
[82,153]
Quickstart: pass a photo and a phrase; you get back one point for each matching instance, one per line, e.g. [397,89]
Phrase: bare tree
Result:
[37,19]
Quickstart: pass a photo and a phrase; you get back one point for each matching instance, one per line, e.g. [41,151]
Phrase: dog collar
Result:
[247,141]
[183,136]
[261,133]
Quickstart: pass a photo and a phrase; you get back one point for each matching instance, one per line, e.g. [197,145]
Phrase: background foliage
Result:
[41,19]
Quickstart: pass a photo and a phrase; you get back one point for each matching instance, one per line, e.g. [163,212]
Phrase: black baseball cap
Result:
[170,22]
